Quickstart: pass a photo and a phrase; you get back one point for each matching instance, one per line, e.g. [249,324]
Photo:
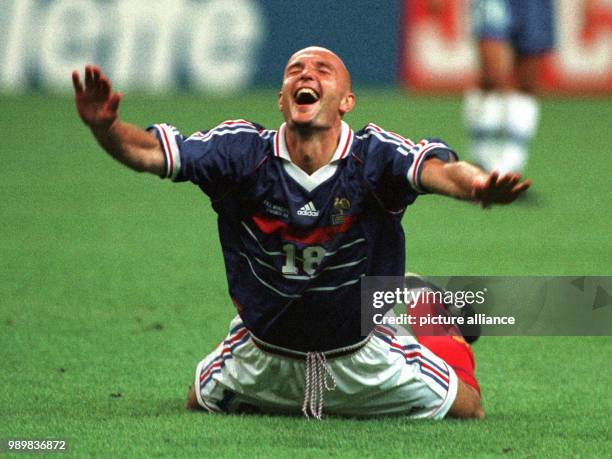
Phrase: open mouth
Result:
[306,96]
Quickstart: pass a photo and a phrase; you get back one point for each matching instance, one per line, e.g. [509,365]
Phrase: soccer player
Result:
[304,212]
[514,38]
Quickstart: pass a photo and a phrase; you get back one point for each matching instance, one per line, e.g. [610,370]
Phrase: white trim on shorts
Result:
[386,375]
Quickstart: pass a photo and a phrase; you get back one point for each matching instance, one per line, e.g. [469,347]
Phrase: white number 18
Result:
[311,259]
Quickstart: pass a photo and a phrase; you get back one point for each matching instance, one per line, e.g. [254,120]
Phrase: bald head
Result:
[316,90]
[344,75]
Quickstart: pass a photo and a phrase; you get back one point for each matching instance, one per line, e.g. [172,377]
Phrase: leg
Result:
[214,375]
[484,108]
[238,377]
[496,65]
[532,41]
[467,403]
[192,401]
[528,73]
[522,114]
[458,355]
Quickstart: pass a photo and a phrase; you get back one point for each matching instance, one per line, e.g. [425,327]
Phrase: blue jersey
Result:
[528,25]
[295,245]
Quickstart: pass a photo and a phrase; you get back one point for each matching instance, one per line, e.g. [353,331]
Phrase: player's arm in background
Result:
[98,107]
[465,181]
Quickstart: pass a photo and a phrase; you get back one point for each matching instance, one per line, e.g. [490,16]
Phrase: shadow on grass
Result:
[531,199]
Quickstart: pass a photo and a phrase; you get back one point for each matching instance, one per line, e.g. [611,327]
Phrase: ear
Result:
[280,101]
[347,103]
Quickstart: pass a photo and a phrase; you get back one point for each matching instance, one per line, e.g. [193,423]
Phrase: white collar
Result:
[344,146]
[311,181]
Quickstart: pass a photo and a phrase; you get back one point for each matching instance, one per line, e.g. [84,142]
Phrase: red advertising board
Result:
[438,53]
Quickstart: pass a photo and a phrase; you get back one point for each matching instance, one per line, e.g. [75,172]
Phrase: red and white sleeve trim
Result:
[170,148]
[421,152]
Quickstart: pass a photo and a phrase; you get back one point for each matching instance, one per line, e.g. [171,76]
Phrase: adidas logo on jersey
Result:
[309,210]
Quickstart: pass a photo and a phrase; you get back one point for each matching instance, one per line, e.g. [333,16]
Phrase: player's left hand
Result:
[498,189]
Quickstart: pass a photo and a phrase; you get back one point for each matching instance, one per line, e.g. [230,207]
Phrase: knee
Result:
[192,400]
[471,410]
[467,403]
[477,412]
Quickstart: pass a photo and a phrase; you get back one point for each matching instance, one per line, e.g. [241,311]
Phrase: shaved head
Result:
[316,90]
[345,75]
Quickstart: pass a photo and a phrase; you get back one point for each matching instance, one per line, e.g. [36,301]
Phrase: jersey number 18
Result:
[311,259]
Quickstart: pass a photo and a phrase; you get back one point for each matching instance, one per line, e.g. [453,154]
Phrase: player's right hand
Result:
[96,103]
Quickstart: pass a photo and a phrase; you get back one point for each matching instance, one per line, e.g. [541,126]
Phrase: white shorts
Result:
[382,375]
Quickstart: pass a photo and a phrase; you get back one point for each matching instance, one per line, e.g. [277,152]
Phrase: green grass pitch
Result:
[112,287]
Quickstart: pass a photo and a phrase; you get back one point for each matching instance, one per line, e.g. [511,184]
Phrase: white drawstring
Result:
[317,375]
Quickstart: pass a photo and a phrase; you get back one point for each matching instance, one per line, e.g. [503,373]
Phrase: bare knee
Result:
[192,400]
[467,403]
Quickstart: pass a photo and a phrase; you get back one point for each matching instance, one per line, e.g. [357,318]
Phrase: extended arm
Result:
[98,107]
[463,180]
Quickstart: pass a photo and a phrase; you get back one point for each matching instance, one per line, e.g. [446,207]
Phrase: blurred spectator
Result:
[514,37]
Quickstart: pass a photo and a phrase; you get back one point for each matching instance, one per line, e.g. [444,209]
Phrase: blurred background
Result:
[221,46]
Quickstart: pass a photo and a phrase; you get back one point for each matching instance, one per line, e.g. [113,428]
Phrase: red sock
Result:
[456,353]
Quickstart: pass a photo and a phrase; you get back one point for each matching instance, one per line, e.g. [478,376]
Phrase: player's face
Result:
[316,89]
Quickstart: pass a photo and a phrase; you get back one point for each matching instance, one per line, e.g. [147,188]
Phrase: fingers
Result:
[95,80]
[491,182]
[501,189]
[521,187]
[510,187]
[96,75]
[513,181]
[506,183]
[97,85]
[113,103]
[76,82]
[488,191]
[105,87]
[88,77]
[496,188]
